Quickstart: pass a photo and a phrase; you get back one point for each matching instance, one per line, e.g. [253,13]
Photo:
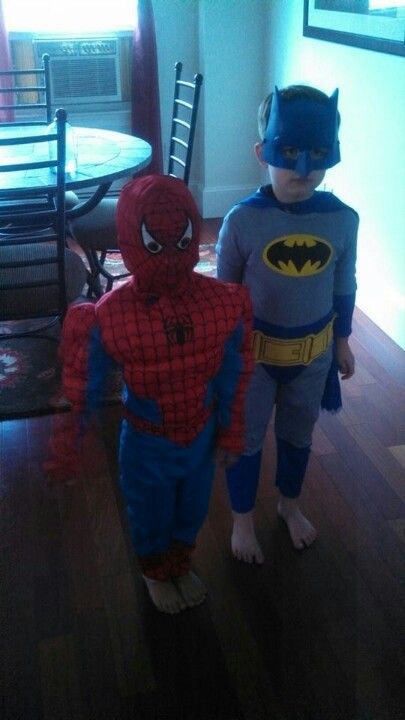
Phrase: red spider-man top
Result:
[181,339]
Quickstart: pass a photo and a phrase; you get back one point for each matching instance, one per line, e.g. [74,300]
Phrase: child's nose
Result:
[303,164]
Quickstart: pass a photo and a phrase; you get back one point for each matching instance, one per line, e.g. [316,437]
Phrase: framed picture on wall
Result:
[371,24]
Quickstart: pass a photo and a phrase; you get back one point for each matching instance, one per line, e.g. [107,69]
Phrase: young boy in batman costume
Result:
[183,342]
[295,249]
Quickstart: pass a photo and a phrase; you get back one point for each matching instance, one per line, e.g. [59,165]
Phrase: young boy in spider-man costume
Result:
[183,342]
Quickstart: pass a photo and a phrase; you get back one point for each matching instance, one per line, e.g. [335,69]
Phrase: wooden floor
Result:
[316,635]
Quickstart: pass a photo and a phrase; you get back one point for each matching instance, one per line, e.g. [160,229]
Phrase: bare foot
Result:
[192,590]
[301,531]
[244,542]
[165,595]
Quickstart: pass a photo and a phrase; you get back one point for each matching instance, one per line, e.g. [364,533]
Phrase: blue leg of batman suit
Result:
[243,477]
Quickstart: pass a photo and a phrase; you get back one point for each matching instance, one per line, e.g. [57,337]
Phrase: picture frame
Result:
[352,22]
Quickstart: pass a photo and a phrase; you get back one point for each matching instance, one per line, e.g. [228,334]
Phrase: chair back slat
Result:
[31,71]
[27,139]
[22,89]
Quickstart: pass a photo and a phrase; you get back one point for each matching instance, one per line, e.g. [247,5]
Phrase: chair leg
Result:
[94,275]
[96,263]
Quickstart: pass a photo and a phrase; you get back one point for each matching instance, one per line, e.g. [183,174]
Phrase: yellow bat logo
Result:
[297,255]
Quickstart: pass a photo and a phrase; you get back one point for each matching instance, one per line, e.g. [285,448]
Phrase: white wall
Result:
[371,176]
[225,41]
[232,41]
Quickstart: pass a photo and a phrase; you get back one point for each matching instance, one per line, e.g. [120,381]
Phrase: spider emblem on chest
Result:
[179,329]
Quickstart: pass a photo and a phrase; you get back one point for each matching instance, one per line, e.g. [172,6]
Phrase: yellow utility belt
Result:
[294,351]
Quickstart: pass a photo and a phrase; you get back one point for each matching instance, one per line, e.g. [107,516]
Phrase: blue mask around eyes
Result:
[305,124]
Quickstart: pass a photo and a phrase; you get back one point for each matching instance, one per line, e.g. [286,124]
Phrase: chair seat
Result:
[97,230]
[71,199]
[18,302]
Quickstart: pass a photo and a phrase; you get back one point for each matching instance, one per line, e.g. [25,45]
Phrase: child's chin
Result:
[303,189]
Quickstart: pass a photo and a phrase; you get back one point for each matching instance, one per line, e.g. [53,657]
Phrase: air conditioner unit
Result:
[82,70]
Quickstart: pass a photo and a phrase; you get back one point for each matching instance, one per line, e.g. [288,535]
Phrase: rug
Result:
[30,370]
[29,377]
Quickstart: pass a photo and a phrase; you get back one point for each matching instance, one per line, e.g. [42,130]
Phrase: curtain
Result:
[5,64]
[145,86]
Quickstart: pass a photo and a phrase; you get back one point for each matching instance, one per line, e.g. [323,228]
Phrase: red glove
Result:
[64,453]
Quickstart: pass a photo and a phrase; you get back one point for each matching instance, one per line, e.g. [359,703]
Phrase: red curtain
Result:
[145,86]
[5,64]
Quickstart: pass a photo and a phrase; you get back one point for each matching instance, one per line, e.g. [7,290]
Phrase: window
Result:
[76,17]
[385,4]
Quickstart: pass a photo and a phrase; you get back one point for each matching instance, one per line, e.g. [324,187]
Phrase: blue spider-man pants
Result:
[166,487]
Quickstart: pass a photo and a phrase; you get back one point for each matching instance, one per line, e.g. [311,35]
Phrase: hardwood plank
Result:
[365,354]
[321,444]
[398,527]
[251,680]
[399,454]
[104,516]
[362,630]
[383,427]
[363,476]
[195,637]
[378,554]
[20,695]
[374,404]
[95,665]
[61,698]
[361,376]
[79,550]
[386,351]
[132,659]
[381,458]
[52,597]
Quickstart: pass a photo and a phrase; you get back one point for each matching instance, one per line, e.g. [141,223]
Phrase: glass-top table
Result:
[102,157]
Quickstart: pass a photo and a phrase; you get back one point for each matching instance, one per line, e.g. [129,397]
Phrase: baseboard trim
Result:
[212,202]
[217,201]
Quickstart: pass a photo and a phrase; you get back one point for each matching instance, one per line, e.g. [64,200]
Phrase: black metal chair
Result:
[39,275]
[28,98]
[96,232]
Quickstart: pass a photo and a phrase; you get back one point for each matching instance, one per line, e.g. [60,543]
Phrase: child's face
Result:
[288,186]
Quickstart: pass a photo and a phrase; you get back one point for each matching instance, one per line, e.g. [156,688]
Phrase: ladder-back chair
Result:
[39,275]
[184,120]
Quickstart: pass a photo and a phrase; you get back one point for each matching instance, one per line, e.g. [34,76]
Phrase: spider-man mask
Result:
[158,233]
